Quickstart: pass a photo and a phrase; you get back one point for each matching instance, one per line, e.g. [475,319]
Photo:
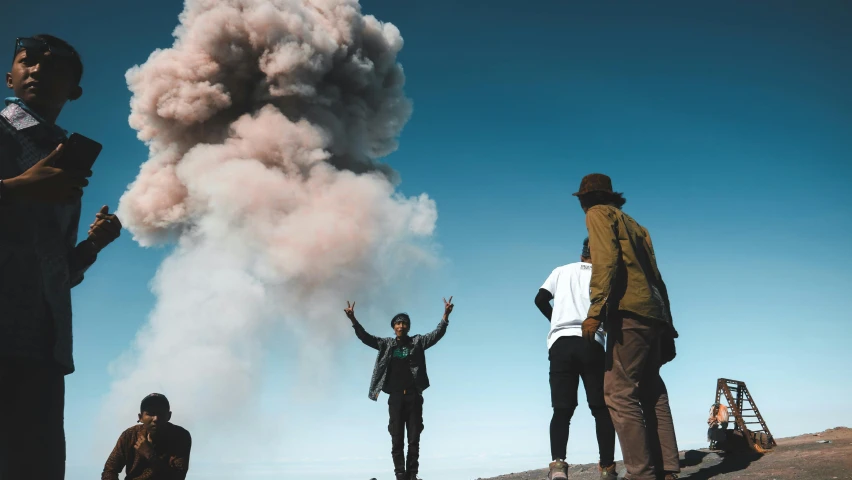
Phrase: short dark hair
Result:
[155,402]
[589,200]
[76,61]
[400,317]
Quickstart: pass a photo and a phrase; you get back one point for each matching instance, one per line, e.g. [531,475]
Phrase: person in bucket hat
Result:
[628,296]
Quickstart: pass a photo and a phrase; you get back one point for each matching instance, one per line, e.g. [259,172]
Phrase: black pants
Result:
[573,358]
[406,414]
[32,434]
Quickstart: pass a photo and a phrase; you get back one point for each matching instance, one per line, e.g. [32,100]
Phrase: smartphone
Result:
[79,153]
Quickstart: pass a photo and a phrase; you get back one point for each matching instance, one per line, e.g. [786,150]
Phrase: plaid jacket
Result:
[39,262]
[419,343]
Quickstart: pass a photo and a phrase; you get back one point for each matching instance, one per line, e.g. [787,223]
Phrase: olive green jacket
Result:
[624,269]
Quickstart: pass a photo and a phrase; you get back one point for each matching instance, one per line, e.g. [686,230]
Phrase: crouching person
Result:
[153,450]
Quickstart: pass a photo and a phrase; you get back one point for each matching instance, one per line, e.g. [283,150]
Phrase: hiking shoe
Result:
[414,477]
[608,473]
[670,476]
[558,470]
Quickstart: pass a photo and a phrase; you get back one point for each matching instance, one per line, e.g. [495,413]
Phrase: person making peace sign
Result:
[400,371]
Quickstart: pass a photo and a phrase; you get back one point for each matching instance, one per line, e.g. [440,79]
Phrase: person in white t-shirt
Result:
[572,358]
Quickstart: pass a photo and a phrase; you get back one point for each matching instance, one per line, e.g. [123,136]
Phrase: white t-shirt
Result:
[569,285]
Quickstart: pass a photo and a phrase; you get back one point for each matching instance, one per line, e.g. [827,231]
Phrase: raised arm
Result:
[431,338]
[367,339]
[81,256]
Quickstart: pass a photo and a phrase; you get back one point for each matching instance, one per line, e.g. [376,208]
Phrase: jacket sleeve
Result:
[80,257]
[606,252]
[431,338]
[366,338]
[659,276]
[116,461]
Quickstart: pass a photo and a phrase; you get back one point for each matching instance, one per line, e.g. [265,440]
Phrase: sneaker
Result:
[608,473]
[558,470]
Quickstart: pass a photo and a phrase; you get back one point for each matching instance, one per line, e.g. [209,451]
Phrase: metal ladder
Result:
[737,395]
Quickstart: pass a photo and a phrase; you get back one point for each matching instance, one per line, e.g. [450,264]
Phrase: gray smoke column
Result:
[264,121]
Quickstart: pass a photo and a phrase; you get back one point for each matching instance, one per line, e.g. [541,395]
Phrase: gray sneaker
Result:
[558,470]
[608,473]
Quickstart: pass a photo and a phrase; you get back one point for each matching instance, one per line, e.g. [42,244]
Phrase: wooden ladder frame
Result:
[737,395]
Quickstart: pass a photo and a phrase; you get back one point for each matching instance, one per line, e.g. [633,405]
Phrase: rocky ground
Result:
[814,456]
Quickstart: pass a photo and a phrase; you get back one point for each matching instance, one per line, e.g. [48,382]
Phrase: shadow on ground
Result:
[715,464]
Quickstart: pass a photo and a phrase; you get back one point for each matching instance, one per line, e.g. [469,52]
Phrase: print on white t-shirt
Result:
[569,285]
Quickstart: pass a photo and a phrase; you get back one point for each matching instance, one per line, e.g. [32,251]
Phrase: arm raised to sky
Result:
[367,339]
[431,338]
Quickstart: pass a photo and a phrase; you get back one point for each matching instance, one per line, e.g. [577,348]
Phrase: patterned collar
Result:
[21,117]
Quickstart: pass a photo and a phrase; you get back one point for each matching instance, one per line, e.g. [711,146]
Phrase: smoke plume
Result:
[265,122]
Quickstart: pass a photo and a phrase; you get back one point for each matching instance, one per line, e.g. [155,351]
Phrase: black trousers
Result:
[572,359]
[32,433]
[406,415]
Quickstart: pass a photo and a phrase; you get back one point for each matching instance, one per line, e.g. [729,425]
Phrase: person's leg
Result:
[396,428]
[662,441]
[564,381]
[8,385]
[629,341]
[593,382]
[414,426]
[34,432]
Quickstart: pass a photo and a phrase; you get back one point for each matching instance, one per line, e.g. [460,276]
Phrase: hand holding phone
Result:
[78,153]
[50,180]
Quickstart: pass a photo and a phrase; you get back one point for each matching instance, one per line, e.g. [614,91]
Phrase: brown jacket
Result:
[624,269]
[170,462]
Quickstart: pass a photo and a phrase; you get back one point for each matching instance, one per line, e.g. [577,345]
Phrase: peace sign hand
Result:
[448,307]
[350,310]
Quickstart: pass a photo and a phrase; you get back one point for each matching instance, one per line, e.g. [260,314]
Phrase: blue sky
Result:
[728,126]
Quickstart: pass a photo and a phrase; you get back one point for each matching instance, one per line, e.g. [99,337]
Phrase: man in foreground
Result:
[628,296]
[400,371]
[572,358]
[40,259]
[153,450]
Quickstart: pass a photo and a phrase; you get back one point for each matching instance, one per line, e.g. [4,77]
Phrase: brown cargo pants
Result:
[637,398]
